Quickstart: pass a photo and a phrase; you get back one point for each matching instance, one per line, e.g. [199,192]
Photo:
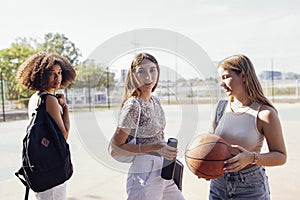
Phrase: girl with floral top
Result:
[139,105]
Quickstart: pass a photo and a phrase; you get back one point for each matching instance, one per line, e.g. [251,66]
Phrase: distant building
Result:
[291,76]
[121,81]
[123,75]
[269,75]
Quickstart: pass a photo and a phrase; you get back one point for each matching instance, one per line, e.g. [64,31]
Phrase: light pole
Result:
[168,85]
[89,92]
[107,89]
[297,88]
[2,94]
[192,93]
[273,100]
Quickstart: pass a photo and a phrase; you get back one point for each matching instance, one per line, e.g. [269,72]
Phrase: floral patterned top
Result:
[152,120]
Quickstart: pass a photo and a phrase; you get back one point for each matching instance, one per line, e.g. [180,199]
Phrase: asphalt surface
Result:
[97,176]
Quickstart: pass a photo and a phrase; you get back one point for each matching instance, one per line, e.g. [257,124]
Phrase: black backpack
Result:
[46,159]
[220,110]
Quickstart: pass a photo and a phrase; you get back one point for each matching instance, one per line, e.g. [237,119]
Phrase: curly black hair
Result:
[34,72]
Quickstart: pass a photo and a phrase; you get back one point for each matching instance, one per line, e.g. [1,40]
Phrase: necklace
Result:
[237,109]
[240,106]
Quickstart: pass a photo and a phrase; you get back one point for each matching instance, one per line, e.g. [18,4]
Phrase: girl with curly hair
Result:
[45,73]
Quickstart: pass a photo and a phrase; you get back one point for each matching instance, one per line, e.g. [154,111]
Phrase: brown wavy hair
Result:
[241,63]
[34,72]
[131,85]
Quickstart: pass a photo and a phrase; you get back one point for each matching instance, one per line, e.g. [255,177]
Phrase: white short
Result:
[145,183]
[56,193]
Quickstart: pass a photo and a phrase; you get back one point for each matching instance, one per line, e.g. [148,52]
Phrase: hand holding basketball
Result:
[241,160]
[206,154]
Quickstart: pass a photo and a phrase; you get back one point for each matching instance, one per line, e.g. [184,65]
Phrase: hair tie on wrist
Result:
[255,158]
[140,151]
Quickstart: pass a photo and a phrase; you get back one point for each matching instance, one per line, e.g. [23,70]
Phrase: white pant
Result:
[145,183]
[58,192]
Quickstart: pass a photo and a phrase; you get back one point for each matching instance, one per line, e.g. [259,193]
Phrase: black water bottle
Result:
[169,165]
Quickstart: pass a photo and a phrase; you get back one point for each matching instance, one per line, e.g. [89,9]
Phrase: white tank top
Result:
[33,104]
[241,129]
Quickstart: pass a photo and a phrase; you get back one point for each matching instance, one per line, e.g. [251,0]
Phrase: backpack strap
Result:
[19,174]
[138,122]
[42,100]
[220,110]
[26,193]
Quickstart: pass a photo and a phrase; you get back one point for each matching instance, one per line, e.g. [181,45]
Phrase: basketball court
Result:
[93,179]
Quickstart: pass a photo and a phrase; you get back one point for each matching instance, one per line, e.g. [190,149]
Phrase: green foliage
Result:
[89,74]
[10,59]
[59,43]
[30,43]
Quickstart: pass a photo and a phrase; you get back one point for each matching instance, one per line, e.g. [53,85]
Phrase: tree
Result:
[89,74]
[60,44]
[10,60]
[29,42]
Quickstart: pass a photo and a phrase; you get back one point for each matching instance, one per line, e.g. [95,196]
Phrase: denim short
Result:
[251,183]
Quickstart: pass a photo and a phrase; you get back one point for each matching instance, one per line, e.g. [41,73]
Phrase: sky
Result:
[267,31]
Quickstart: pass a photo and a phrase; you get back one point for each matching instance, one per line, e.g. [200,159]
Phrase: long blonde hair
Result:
[241,63]
[131,84]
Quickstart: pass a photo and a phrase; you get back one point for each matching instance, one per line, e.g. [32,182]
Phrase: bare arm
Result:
[62,120]
[120,148]
[269,124]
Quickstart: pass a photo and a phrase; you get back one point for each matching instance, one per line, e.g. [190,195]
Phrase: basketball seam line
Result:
[206,144]
[204,159]
[205,174]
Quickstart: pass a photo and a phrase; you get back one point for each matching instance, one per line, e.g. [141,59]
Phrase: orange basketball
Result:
[206,154]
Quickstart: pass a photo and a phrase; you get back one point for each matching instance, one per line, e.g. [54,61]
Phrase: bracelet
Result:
[140,151]
[255,158]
